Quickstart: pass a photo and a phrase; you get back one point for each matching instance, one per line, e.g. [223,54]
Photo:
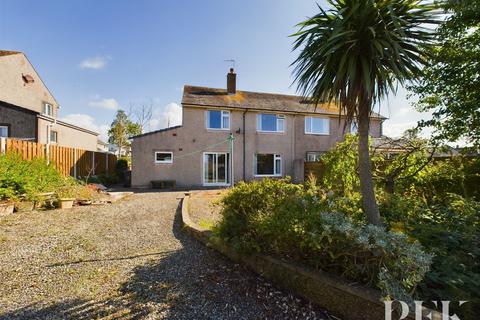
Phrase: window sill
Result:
[271,132]
[169,162]
[206,184]
[267,175]
[317,134]
[217,130]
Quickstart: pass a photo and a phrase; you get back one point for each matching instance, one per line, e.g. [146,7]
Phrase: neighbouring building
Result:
[29,111]
[228,135]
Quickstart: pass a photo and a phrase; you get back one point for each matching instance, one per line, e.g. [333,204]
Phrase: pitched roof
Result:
[152,132]
[8,53]
[214,97]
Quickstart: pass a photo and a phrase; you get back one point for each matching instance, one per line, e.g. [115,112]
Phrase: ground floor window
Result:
[4,131]
[163,157]
[53,136]
[216,168]
[314,156]
[268,164]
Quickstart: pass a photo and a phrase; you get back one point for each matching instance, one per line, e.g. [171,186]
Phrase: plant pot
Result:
[85,202]
[24,206]
[44,200]
[66,203]
[6,208]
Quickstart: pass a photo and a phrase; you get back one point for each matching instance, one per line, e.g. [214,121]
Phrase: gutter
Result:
[65,124]
[244,146]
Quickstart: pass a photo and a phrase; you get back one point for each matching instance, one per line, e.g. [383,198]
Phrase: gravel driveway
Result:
[128,260]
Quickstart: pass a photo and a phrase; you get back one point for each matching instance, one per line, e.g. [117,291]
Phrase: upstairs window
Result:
[268,165]
[317,125]
[48,109]
[4,131]
[218,119]
[163,157]
[270,122]
[53,136]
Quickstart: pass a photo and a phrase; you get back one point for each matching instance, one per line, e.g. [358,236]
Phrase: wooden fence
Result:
[69,161]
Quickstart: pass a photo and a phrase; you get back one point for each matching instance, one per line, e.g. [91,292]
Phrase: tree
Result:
[451,81]
[121,129]
[354,54]
[413,155]
[142,114]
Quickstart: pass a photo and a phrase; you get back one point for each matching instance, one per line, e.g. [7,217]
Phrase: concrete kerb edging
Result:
[347,300]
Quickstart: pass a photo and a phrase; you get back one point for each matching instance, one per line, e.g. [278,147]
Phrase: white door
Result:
[216,169]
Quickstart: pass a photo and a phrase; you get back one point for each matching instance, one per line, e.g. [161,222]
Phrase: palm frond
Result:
[361,48]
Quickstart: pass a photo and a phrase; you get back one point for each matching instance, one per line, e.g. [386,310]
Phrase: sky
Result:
[100,56]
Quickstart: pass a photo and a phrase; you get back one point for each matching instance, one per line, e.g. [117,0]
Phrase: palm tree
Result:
[354,54]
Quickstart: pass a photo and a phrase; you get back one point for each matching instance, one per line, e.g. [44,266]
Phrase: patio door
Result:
[216,169]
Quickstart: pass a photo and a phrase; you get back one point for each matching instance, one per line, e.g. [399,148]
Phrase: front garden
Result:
[427,248]
[35,184]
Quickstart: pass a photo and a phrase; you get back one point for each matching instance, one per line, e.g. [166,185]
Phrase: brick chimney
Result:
[231,82]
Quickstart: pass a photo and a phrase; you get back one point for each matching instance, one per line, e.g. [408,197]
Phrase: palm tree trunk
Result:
[365,168]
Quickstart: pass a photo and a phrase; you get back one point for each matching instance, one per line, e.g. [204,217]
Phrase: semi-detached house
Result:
[229,135]
[29,111]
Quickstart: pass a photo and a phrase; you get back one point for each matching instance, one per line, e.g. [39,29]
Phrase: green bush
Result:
[105,179]
[448,226]
[121,168]
[27,178]
[293,222]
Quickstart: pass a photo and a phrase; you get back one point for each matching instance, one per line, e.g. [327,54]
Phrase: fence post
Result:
[47,152]
[3,145]
[93,163]
[75,163]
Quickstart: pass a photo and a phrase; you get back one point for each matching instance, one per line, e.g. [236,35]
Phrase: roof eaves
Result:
[66,124]
[154,132]
[200,105]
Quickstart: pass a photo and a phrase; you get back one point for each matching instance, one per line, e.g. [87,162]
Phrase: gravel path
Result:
[128,260]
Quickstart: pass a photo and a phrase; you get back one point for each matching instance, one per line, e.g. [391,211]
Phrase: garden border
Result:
[348,300]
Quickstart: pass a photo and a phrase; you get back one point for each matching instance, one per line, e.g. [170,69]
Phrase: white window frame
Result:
[8,131]
[276,156]
[47,109]
[223,114]
[314,155]
[162,161]
[50,137]
[228,173]
[280,119]
[309,129]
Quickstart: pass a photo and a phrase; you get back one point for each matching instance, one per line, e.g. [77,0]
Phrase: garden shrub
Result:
[121,168]
[105,179]
[296,223]
[27,178]
[448,226]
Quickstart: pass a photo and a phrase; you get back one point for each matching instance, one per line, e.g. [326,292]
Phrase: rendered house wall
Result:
[192,139]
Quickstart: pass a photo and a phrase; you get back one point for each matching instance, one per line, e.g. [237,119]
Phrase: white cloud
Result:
[98,62]
[395,130]
[163,117]
[106,103]
[87,122]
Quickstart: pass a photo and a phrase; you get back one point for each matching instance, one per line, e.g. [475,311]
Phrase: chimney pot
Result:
[231,82]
